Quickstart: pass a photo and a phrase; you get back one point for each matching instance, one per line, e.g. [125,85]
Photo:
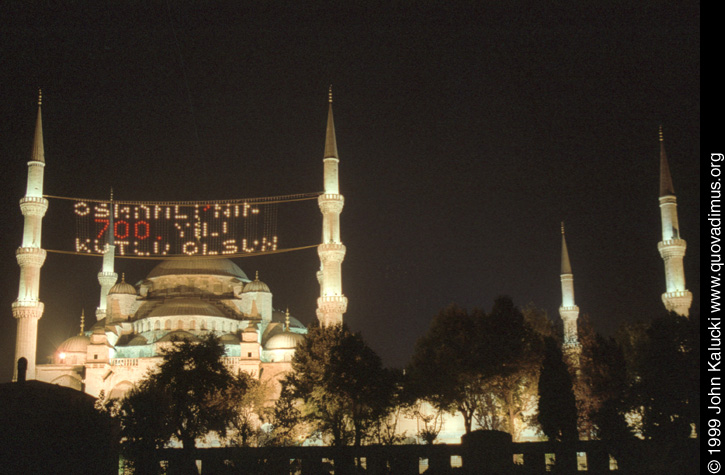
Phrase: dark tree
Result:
[144,427]
[557,405]
[445,368]
[178,400]
[286,418]
[481,365]
[341,382]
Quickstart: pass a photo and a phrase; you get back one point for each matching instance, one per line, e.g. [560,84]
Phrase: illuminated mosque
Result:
[192,297]
[181,298]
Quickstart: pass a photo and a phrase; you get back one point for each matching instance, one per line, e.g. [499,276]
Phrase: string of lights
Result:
[165,229]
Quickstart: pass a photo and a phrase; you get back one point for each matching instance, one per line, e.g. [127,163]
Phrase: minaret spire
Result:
[107,277]
[672,248]
[332,303]
[568,311]
[28,308]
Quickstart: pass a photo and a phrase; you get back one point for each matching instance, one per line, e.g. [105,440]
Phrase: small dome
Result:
[199,266]
[123,288]
[284,341]
[256,286]
[74,344]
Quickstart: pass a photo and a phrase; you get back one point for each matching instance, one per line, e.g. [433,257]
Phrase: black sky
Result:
[467,132]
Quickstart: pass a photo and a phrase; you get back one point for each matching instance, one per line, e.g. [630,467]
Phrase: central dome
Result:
[199,266]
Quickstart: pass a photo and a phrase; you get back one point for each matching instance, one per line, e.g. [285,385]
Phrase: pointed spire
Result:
[83,321]
[38,148]
[666,187]
[330,140]
[565,264]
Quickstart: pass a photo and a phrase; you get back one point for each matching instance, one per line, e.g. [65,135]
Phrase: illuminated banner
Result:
[183,229]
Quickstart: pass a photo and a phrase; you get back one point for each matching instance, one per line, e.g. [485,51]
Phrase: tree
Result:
[515,339]
[668,370]
[288,427]
[178,400]
[482,365]
[342,384]
[445,369]
[244,399]
[557,405]
[144,426]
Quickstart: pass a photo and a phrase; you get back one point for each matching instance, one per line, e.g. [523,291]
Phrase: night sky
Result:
[465,134]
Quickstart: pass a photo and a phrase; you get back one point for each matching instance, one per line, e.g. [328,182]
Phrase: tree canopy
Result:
[341,383]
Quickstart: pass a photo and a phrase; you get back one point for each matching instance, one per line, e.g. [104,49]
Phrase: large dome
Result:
[199,266]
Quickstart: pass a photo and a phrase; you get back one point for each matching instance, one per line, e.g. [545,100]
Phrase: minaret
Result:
[28,309]
[568,311]
[107,277]
[672,249]
[332,303]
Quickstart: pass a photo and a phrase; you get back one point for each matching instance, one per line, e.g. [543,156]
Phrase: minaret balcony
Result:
[678,301]
[33,206]
[107,278]
[331,203]
[28,309]
[672,248]
[331,252]
[30,256]
[331,304]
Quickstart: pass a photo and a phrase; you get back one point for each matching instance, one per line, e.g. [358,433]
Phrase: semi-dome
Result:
[74,344]
[178,335]
[229,339]
[180,307]
[284,341]
[199,266]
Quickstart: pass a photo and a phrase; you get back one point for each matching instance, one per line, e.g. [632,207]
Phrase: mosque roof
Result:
[186,306]
[199,266]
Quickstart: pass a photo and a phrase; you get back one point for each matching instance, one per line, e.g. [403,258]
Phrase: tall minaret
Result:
[28,309]
[107,277]
[568,311]
[332,303]
[672,249]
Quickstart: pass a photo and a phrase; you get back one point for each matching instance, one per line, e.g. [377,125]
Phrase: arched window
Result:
[167,325]
[192,325]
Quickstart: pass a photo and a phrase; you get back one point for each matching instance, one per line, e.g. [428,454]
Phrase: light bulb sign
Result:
[175,229]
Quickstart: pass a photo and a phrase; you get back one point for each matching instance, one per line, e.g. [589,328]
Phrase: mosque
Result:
[181,298]
[192,297]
